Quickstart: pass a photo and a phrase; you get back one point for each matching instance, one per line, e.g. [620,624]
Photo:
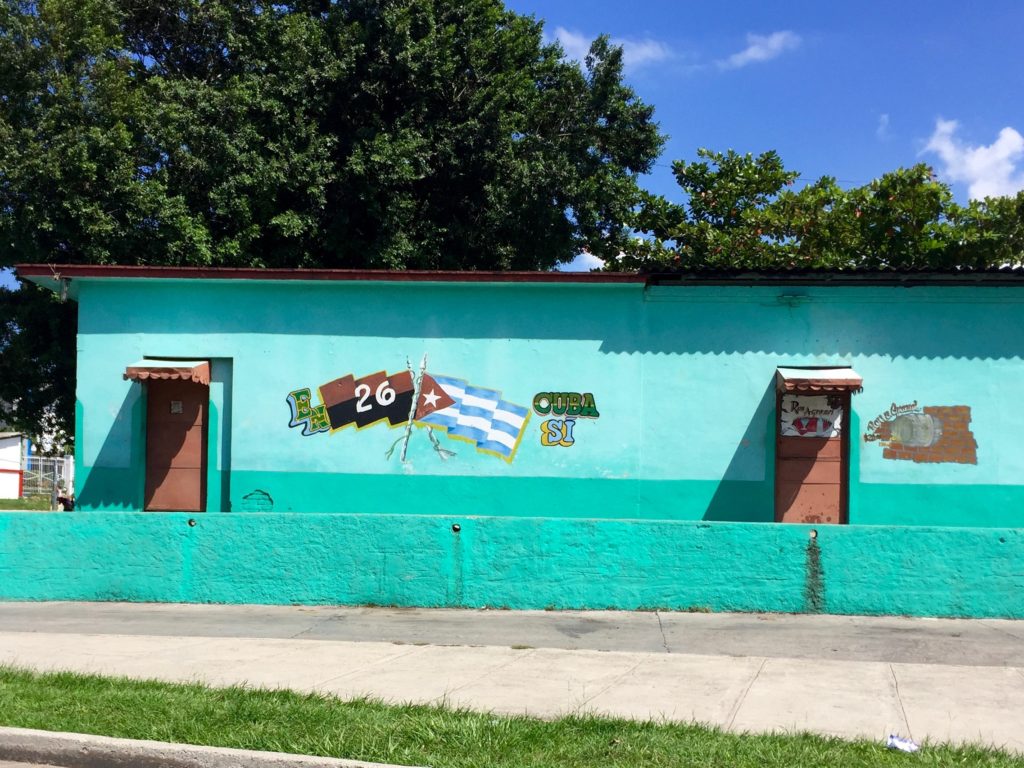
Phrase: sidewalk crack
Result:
[317,623]
[899,700]
[369,665]
[661,628]
[613,683]
[743,696]
[1000,630]
[526,653]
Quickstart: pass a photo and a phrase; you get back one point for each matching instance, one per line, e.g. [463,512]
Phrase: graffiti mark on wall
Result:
[932,434]
[446,404]
[567,407]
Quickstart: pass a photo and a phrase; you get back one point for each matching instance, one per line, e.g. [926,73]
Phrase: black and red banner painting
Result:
[377,397]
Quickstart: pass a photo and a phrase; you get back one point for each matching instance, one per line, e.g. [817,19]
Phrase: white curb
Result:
[77,750]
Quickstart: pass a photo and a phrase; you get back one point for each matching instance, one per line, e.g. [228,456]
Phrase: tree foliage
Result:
[358,133]
[743,211]
[36,378]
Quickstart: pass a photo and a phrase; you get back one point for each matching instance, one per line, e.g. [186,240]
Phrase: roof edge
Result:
[72,271]
[997,276]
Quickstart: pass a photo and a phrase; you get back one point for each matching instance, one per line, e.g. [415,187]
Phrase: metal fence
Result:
[41,474]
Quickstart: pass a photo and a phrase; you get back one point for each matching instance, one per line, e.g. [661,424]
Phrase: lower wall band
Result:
[518,563]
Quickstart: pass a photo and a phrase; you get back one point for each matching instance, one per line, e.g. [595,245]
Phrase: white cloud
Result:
[882,131]
[988,171]
[575,44]
[584,262]
[635,53]
[762,48]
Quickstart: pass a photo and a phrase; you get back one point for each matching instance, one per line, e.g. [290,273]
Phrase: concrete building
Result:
[12,446]
[846,443]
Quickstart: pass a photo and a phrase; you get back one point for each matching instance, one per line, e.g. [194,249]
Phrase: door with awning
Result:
[812,443]
[177,407]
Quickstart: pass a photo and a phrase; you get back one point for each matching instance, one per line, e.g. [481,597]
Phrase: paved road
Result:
[846,676]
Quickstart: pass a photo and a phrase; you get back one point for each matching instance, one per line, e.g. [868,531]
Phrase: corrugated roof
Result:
[1003,275]
[805,380]
[197,371]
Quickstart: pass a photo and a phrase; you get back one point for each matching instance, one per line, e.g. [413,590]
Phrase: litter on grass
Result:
[902,744]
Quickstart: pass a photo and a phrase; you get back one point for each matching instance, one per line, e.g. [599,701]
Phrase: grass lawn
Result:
[30,502]
[416,735]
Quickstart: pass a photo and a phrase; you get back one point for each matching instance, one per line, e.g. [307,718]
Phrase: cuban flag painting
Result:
[479,416]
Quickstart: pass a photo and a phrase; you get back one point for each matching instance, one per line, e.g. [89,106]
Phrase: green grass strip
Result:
[440,737]
[29,502]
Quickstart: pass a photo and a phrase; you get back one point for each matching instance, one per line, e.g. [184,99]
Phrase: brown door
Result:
[176,414]
[811,458]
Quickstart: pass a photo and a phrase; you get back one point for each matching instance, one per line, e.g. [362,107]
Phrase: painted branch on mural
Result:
[453,406]
[931,434]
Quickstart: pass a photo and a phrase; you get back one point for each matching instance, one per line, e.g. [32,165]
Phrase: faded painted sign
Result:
[933,434]
[810,416]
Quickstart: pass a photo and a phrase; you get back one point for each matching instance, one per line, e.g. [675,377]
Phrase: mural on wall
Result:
[811,416]
[452,406]
[564,408]
[932,434]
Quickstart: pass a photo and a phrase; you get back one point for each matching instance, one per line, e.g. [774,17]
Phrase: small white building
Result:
[12,447]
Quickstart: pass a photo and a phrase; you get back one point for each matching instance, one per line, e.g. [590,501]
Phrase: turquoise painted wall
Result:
[663,501]
[417,560]
[682,377]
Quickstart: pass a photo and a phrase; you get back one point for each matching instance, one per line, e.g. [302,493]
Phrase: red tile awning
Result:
[186,370]
[814,380]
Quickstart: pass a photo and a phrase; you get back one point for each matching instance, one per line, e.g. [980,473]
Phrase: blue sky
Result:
[851,90]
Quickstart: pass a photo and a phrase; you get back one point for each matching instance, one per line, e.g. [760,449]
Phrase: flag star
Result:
[431,399]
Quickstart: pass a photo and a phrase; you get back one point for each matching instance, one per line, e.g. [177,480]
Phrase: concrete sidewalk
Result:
[938,680]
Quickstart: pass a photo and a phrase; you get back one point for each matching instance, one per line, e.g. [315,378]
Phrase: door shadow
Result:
[116,476]
[739,498]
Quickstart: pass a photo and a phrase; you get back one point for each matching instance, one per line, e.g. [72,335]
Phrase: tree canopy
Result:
[357,133]
[743,211]
[361,133]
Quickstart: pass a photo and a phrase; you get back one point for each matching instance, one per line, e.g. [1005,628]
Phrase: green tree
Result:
[742,211]
[359,133]
[723,221]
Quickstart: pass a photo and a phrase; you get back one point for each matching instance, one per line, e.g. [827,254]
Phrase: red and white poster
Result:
[810,416]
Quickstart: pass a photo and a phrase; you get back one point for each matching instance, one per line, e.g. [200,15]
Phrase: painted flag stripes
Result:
[376,397]
[479,415]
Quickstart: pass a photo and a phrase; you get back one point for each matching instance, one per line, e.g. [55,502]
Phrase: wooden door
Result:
[811,450]
[176,413]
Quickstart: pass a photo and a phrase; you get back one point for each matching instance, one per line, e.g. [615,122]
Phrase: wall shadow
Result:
[740,500]
[925,322]
[218,486]
[116,476]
